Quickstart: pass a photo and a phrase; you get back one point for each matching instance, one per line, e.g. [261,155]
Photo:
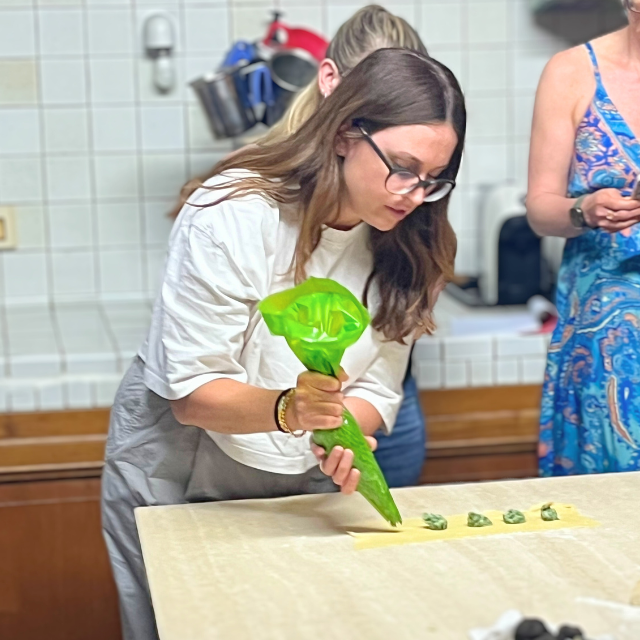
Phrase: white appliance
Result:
[515,264]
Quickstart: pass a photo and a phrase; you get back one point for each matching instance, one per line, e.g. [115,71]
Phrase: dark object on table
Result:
[532,629]
[570,633]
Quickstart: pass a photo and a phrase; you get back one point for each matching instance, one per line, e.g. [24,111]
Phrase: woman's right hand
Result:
[608,210]
[317,403]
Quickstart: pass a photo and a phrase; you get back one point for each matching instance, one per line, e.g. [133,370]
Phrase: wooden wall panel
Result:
[55,582]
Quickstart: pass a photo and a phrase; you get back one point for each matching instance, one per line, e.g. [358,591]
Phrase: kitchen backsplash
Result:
[91,158]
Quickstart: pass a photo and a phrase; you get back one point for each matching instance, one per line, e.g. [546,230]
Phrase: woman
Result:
[401,453]
[358,194]
[585,159]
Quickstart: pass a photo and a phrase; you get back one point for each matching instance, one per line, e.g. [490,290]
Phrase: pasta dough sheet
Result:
[414,530]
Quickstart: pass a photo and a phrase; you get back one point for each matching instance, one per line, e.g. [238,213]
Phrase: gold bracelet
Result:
[283,404]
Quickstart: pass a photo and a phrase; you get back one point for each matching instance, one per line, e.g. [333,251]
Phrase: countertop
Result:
[286,569]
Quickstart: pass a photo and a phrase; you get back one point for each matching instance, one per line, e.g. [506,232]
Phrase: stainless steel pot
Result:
[225,100]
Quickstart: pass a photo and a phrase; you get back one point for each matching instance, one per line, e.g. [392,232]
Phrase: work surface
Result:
[286,569]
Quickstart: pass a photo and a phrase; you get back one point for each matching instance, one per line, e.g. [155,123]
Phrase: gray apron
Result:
[151,459]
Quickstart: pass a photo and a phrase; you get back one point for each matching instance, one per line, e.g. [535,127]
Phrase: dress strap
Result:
[594,61]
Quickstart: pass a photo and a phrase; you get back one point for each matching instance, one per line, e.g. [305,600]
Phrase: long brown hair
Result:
[390,87]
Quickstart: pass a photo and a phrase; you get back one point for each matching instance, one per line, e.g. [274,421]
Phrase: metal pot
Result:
[225,100]
[293,69]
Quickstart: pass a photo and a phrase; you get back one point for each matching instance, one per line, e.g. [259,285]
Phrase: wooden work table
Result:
[286,568]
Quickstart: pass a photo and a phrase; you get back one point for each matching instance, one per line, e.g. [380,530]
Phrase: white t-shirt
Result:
[222,261]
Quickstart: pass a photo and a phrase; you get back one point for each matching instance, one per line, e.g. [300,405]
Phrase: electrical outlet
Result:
[8,238]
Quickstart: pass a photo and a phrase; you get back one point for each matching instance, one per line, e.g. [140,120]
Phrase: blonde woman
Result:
[401,453]
[359,194]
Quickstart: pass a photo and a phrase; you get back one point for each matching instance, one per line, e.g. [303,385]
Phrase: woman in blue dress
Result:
[584,162]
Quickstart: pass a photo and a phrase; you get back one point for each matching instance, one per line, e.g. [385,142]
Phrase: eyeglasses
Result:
[400,181]
[632,5]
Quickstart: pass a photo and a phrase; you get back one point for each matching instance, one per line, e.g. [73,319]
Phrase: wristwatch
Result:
[577,214]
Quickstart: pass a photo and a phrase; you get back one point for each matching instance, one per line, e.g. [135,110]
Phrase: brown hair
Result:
[390,87]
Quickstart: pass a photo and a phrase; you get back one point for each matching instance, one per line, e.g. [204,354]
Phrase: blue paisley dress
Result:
[590,418]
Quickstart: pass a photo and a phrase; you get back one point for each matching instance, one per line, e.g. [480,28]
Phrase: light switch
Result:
[8,238]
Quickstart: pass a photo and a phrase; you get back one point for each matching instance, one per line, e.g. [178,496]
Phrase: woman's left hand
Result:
[339,465]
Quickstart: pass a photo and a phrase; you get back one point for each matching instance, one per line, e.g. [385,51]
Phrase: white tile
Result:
[455,60]
[109,31]
[73,273]
[428,374]
[487,21]
[207,29]
[467,256]
[119,224]
[114,128]
[202,164]
[30,227]
[465,348]
[68,178]
[481,372]
[19,131]
[79,394]
[487,71]
[507,371]
[533,369]
[200,135]
[20,180]
[521,168]
[29,318]
[155,269]
[487,116]
[526,32]
[106,392]
[427,348]
[35,366]
[248,24]
[455,375]
[309,14]
[63,81]
[18,82]
[25,275]
[441,23]
[112,81]
[21,398]
[130,340]
[91,363]
[163,175]
[121,271]
[523,114]
[70,225]
[58,3]
[162,128]
[511,346]
[158,223]
[51,396]
[17,34]
[61,32]
[116,176]
[65,130]
[127,315]
[4,405]
[487,162]
[527,69]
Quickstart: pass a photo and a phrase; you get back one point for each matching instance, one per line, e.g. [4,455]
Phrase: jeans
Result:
[401,455]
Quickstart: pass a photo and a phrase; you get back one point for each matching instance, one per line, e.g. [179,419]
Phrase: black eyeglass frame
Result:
[420,182]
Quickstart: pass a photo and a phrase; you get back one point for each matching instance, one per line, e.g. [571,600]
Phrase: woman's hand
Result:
[339,465]
[608,210]
[317,403]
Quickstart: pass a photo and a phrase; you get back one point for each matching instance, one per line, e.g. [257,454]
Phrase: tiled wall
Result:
[91,158]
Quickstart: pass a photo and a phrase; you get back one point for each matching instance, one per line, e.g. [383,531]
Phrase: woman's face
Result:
[424,149]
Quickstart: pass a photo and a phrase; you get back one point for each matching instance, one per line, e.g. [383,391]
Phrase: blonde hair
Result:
[368,29]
